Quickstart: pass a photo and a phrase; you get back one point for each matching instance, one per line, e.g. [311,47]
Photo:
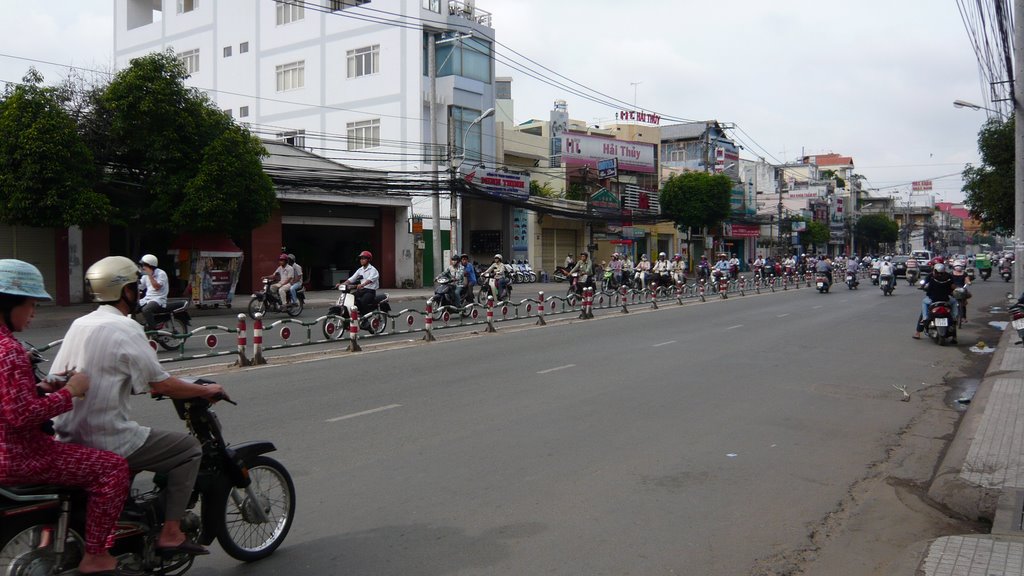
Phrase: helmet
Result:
[498,257]
[643,256]
[940,260]
[455,257]
[148,260]
[291,258]
[105,279]
[939,268]
[661,254]
[19,278]
[366,254]
[678,258]
[888,258]
[282,257]
[587,254]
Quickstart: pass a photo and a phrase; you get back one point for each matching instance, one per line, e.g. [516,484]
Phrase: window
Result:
[467,57]
[365,134]
[243,47]
[364,61]
[295,138]
[190,59]
[288,12]
[472,147]
[229,113]
[243,112]
[227,51]
[337,5]
[187,5]
[142,13]
[291,76]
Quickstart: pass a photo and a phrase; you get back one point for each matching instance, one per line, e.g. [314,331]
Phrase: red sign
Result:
[742,230]
[921,185]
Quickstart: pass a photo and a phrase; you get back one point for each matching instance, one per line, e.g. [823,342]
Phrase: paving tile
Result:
[1013,358]
[973,556]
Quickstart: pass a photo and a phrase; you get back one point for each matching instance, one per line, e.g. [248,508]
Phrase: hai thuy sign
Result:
[501,184]
[921,185]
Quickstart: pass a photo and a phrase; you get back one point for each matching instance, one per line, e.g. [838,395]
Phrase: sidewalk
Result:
[982,475]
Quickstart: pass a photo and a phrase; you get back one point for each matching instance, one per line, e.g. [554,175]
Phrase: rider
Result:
[297,278]
[734,267]
[154,280]
[722,266]
[678,269]
[852,266]
[960,280]
[824,266]
[585,267]
[497,268]
[283,275]
[457,274]
[114,351]
[616,268]
[661,268]
[886,272]
[470,274]
[643,267]
[28,455]
[938,288]
[367,280]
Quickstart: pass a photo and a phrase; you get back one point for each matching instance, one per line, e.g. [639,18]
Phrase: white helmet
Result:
[939,268]
[498,257]
[105,279]
[149,260]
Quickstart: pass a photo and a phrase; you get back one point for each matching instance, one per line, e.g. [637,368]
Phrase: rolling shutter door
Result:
[555,244]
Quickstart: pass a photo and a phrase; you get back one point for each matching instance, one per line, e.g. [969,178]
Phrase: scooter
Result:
[267,300]
[339,317]
[1017,320]
[1006,272]
[851,280]
[874,277]
[940,326]
[722,283]
[822,282]
[446,293]
[245,499]
[912,276]
[172,323]
[489,287]
[887,283]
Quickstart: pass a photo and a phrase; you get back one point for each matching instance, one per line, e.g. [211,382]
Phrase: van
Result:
[925,255]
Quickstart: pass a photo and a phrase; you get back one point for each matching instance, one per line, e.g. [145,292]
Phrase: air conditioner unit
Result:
[469,7]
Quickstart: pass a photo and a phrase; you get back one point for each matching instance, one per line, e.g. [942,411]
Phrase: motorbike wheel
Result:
[174,326]
[295,309]
[257,306]
[334,328]
[375,322]
[22,552]
[241,535]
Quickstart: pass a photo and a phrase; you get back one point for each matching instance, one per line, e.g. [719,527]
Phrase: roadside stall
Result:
[206,269]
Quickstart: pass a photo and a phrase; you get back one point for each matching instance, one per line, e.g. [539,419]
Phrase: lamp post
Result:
[453,214]
[973,106]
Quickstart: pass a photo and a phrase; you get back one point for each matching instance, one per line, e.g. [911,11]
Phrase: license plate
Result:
[1018,324]
[942,322]
[821,284]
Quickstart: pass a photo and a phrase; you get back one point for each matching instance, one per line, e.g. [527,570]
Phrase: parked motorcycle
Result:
[339,316]
[939,325]
[268,300]
[242,498]
[887,283]
[1017,320]
[822,282]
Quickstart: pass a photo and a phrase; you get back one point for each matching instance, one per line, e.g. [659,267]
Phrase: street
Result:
[716,438]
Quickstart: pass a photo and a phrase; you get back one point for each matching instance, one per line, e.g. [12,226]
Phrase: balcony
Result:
[463,9]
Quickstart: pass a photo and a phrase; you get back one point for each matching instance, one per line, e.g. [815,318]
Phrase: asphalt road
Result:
[696,439]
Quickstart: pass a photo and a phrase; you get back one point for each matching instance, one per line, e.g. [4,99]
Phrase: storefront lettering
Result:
[634,116]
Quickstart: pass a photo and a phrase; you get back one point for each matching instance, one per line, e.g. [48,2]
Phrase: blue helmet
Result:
[20,278]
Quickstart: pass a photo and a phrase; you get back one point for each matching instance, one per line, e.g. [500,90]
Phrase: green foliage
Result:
[816,233]
[543,190]
[989,188]
[696,199]
[577,191]
[875,229]
[46,171]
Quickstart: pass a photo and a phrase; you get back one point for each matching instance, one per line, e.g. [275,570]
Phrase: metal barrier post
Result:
[490,314]
[700,290]
[623,292]
[257,340]
[540,309]
[353,332]
[242,360]
[654,295]
[428,321]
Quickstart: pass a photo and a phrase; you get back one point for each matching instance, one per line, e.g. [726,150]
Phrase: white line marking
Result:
[782,315]
[736,326]
[556,368]
[364,412]
[818,306]
[665,343]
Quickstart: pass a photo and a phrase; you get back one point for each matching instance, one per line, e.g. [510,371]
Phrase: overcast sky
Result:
[871,79]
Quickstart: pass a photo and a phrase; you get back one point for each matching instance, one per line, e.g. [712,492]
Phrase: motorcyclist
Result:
[938,288]
[497,268]
[155,282]
[616,268]
[721,266]
[852,267]
[628,268]
[759,266]
[704,267]
[960,280]
[114,351]
[366,280]
[886,273]
[282,277]
[297,279]
[678,269]
[28,454]
[662,269]
[585,268]
[470,270]
[643,269]
[734,267]
[456,274]
[824,266]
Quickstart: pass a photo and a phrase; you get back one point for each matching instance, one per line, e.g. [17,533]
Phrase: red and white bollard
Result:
[242,360]
[353,332]
[623,292]
[490,314]
[540,309]
[257,340]
[428,321]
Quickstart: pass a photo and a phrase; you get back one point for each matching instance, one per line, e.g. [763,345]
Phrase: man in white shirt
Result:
[367,280]
[283,277]
[296,282]
[113,349]
[154,280]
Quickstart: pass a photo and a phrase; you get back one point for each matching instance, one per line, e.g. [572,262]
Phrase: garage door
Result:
[37,246]
[556,243]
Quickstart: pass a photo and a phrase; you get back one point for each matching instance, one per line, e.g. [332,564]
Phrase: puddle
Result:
[999,324]
[961,393]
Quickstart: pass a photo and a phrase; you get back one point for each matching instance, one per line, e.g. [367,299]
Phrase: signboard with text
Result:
[501,184]
[607,168]
[921,185]
[586,150]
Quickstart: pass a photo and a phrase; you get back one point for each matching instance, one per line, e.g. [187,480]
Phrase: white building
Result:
[345,79]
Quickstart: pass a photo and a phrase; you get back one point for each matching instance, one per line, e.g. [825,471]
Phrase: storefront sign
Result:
[604,201]
[502,184]
[607,168]
[585,150]
[742,230]
[921,185]
[638,116]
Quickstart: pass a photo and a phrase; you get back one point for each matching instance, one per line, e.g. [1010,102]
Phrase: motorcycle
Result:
[608,282]
[446,293]
[939,326]
[577,282]
[912,275]
[489,287]
[268,300]
[1017,320]
[722,283]
[874,277]
[339,316]
[1006,272]
[851,280]
[242,498]
[887,284]
[822,282]
[172,323]
[561,274]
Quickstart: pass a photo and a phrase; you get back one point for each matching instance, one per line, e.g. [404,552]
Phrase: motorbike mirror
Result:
[1009,296]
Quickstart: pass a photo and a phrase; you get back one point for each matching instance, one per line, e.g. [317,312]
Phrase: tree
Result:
[174,162]
[696,199]
[543,190]
[875,229]
[46,171]
[817,233]
[989,188]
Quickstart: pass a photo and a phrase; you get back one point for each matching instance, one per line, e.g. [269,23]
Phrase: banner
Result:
[585,150]
[501,184]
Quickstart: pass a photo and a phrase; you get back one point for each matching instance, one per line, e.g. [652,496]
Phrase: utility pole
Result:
[435,197]
[1018,138]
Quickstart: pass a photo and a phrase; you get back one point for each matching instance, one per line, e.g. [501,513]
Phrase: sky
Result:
[871,79]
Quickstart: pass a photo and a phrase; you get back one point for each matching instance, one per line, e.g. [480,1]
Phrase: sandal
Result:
[916,336]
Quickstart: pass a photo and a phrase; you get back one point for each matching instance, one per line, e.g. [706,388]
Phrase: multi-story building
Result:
[345,79]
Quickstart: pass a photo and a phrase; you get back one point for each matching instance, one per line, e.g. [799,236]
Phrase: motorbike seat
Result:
[176,306]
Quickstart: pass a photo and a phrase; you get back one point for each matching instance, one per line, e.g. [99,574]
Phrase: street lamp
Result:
[453,214]
[973,106]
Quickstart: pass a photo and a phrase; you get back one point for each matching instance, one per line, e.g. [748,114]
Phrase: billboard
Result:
[921,185]
[585,150]
[501,184]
